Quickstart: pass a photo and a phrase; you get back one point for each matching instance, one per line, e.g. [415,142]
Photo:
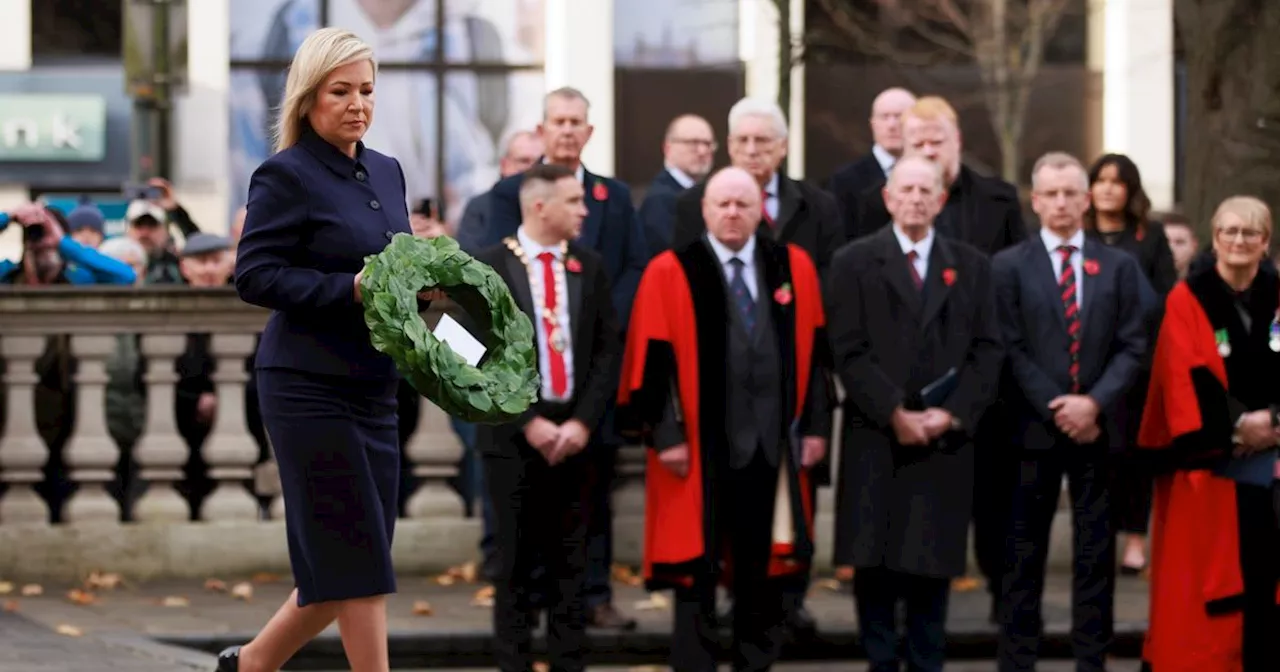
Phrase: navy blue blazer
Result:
[611,229]
[314,214]
[1113,336]
[658,212]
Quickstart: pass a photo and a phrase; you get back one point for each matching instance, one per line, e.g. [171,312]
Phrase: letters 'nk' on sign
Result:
[52,127]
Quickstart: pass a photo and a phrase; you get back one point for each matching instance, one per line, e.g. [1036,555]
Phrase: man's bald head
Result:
[689,145]
[886,118]
[731,207]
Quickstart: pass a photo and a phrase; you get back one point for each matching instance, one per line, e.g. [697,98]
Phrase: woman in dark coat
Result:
[1118,216]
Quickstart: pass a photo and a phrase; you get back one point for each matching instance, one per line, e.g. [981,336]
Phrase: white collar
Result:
[679,176]
[922,248]
[1052,242]
[884,158]
[771,187]
[580,173]
[532,248]
[747,254]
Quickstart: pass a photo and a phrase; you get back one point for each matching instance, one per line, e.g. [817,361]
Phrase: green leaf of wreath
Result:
[505,384]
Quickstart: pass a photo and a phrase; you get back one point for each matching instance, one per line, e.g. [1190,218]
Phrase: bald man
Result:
[852,180]
[688,151]
[735,320]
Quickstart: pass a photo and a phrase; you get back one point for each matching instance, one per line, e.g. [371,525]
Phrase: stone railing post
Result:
[434,450]
[161,452]
[22,451]
[628,504]
[91,454]
[230,450]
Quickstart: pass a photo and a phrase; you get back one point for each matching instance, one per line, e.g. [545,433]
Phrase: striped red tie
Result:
[764,209]
[1071,309]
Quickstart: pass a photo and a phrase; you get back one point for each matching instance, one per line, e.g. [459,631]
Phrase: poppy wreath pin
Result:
[783,294]
[1091,266]
[572,264]
[600,192]
[948,276]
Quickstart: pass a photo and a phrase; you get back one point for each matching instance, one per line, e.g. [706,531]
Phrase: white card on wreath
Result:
[459,339]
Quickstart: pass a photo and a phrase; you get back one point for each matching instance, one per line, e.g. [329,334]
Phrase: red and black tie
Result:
[1071,309]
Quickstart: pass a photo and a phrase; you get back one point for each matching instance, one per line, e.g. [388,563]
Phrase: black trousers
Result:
[1131,492]
[1034,502]
[539,514]
[1260,570]
[601,472]
[995,473]
[744,499]
[877,591]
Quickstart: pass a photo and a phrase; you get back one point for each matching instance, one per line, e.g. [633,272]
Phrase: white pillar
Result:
[1138,107]
[758,49]
[201,155]
[15,35]
[579,53]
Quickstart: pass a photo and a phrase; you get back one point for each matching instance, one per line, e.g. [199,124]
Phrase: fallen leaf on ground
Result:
[32,590]
[964,584]
[828,584]
[646,668]
[5,587]
[541,666]
[103,581]
[844,573]
[175,601]
[265,577]
[422,608]
[624,574]
[656,601]
[215,585]
[11,606]
[469,572]
[81,597]
[483,597]
[446,580]
[69,630]
[242,591]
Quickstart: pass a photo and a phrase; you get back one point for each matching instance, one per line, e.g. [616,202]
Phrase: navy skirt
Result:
[337,444]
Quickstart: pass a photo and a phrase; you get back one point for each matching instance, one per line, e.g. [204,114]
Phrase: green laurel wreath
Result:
[506,382]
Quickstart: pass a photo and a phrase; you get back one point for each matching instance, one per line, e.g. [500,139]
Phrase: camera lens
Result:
[33,232]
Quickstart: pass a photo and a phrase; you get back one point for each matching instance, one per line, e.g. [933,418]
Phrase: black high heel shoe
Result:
[229,660]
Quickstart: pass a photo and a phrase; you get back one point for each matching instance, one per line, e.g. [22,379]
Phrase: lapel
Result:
[776,267]
[594,221]
[789,205]
[1041,269]
[573,282]
[518,282]
[894,268]
[1092,283]
[936,288]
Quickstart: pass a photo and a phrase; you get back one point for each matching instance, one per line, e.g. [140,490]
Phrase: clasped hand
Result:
[556,442]
[920,428]
[676,458]
[1076,415]
[1256,433]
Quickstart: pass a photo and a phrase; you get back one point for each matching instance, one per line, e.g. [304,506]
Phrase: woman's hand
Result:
[356,289]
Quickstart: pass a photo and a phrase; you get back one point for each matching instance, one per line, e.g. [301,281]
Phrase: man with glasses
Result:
[688,150]
[792,211]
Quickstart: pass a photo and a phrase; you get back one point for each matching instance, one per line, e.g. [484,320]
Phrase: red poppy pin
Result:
[1091,266]
[783,294]
[948,276]
[600,192]
[572,265]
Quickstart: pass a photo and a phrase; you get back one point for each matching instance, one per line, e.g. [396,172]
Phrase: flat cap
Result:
[204,243]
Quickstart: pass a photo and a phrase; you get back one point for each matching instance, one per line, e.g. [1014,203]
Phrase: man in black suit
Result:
[522,150]
[793,211]
[981,211]
[1072,318]
[688,150]
[855,179]
[915,341]
[612,229]
[537,467]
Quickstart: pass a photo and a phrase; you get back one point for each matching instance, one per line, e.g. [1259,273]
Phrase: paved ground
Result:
[27,646]
[440,625]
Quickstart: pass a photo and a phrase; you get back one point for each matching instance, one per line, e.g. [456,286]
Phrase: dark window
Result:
[74,29]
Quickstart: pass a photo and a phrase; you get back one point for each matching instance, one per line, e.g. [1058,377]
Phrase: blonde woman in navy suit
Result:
[328,399]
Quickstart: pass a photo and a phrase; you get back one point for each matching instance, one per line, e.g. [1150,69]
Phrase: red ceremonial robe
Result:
[678,336]
[1198,612]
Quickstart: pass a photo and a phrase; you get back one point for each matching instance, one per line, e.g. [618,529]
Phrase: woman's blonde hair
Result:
[321,53]
[1252,211]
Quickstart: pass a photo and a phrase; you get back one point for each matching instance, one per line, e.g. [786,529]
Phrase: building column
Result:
[15,55]
[1138,104]
[579,53]
[758,48]
[201,158]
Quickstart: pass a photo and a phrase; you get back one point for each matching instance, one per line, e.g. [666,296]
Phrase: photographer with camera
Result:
[149,217]
[51,257]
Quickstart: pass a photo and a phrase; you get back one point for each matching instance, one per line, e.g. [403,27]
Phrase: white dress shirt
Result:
[884,158]
[580,173]
[532,250]
[922,249]
[771,197]
[748,256]
[1051,243]
[681,177]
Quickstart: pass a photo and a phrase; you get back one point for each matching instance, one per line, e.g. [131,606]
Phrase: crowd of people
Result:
[977,363]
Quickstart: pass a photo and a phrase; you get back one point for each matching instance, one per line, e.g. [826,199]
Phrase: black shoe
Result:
[229,660]
[800,622]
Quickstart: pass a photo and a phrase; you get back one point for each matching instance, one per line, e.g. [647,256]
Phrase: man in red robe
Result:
[725,376]
[1210,421]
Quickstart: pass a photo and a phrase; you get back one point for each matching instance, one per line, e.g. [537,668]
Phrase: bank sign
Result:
[52,127]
